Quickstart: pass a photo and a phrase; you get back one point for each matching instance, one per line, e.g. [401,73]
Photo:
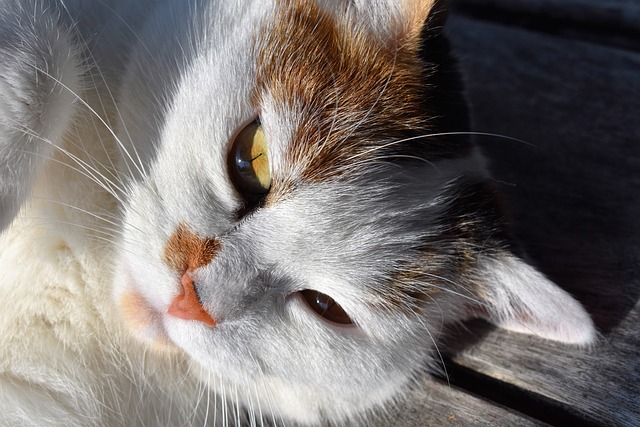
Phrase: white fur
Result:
[103,200]
[525,301]
[34,104]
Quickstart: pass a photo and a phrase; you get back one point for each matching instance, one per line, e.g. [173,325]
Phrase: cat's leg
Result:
[39,77]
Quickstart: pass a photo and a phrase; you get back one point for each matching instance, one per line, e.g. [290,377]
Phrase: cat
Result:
[241,212]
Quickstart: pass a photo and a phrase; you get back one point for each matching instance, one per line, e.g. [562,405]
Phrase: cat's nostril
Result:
[187,305]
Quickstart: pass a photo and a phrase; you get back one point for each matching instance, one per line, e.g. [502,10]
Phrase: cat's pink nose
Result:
[187,306]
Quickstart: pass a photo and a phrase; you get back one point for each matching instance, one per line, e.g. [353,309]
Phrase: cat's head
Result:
[296,225]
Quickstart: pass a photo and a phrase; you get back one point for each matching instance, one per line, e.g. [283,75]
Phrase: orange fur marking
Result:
[418,10]
[350,91]
[186,251]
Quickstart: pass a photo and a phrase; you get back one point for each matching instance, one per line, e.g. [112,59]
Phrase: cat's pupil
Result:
[326,307]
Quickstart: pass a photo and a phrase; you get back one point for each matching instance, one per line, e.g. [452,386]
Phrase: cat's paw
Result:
[40,75]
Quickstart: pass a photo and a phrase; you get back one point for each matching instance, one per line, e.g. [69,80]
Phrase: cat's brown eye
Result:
[326,307]
[249,162]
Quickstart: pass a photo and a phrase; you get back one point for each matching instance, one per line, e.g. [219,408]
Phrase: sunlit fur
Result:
[116,118]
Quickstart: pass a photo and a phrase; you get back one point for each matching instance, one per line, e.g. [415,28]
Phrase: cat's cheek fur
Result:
[326,389]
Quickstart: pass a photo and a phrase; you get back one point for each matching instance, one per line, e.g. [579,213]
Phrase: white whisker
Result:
[434,135]
[444,289]
[86,170]
[435,346]
[383,89]
[67,205]
[96,115]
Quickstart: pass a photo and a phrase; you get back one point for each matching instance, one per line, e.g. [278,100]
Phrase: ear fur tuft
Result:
[399,23]
[415,15]
[521,299]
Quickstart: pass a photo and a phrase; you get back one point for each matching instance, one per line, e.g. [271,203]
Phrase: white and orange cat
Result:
[240,212]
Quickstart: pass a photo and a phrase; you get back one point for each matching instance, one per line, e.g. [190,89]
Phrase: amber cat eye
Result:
[326,307]
[248,162]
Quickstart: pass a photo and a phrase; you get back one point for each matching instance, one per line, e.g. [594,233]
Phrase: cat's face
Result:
[291,232]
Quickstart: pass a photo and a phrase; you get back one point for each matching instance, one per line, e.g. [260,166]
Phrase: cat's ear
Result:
[517,297]
[402,22]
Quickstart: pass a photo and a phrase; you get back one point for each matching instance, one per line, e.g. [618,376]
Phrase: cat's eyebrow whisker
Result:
[140,165]
[95,114]
[33,134]
[110,232]
[94,65]
[95,125]
[435,135]
[67,205]
[93,120]
[110,170]
[405,156]
[110,93]
[441,288]
[429,284]
[386,145]
[334,117]
[88,171]
[383,160]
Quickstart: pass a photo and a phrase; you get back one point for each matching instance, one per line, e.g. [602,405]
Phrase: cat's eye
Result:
[248,162]
[326,307]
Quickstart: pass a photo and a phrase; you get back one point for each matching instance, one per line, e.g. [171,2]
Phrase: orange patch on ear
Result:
[415,14]
[186,251]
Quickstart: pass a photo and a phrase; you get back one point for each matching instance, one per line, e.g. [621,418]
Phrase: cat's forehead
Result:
[344,90]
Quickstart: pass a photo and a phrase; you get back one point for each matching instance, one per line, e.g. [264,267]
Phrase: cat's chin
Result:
[301,403]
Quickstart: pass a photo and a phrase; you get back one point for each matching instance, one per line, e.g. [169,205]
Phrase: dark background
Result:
[563,78]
